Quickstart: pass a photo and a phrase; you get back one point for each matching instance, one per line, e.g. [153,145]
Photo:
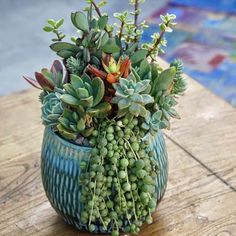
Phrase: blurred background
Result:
[205,38]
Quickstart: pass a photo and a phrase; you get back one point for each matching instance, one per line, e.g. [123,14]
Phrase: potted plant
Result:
[104,162]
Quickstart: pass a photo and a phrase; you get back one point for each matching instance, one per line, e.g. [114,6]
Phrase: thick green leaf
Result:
[65,133]
[86,78]
[137,98]
[135,109]
[95,61]
[147,99]
[124,103]
[86,55]
[131,49]
[93,24]
[70,100]
[59,23]
[80,21]
[75,116]
[102,22]
[144,68]
[86,102]
[100,111]
[135,75]
[98,90]
[65,122]
[58,46]
[87,132]
[81,125]
[164,80]
[138,56]
[102,40]
[65,53]
[76,82]
[111,46]
[48,29]
[69,89]
[89,88]
[82,93]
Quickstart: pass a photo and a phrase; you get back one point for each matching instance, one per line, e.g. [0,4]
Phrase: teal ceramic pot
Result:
[60,167]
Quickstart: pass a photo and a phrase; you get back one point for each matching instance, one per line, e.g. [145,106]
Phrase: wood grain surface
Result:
[201,195]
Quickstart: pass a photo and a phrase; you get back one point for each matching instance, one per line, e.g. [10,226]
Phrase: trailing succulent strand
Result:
[120,179]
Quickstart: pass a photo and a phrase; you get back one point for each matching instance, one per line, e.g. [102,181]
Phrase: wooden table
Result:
[201,195]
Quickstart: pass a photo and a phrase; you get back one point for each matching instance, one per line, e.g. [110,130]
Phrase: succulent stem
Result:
[136,13]
[155,45]
[96,8]
[121,29]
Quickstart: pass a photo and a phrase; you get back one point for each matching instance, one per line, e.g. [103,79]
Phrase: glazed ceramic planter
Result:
[60,166]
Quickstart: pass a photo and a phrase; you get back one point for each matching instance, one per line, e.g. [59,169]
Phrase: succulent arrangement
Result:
[109,93]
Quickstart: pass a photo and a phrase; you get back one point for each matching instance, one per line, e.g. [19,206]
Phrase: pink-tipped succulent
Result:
[47,80]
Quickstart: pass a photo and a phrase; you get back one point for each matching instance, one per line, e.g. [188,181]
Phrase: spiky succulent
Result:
[179,85]
[132,97]
[75,65]
[52,108]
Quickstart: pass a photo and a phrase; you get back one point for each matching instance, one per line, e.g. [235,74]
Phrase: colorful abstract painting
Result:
[205,40]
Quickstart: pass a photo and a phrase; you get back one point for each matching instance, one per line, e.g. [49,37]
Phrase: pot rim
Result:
[66,142]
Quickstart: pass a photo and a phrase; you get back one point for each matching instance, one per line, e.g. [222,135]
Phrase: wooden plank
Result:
[207,130]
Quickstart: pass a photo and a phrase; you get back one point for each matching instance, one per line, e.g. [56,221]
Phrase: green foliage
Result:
[65,50]
[158,41]
[111,46]
[154,123]
[163,81]
[139,56]
[120,179]
[165,103]
[75,66]
[51,108]
[80,21]
[53,26]
[48,80]
[86,95]
[71,124]
[180,84]
[132,97]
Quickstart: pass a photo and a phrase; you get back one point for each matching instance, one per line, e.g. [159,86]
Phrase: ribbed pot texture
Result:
[60,169]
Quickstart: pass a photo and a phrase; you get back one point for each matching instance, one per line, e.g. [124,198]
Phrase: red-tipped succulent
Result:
[113,70]
[47,80]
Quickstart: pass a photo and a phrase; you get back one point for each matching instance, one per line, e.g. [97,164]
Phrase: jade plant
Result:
[110,93]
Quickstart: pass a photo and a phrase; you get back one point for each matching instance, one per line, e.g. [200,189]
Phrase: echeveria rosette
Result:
[154,123]
[52,109]
[166,103]
[132,97]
